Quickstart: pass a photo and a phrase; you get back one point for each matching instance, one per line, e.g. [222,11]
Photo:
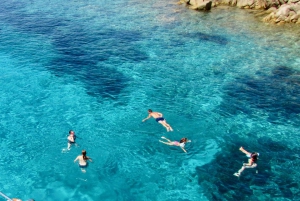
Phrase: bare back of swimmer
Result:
[159,119]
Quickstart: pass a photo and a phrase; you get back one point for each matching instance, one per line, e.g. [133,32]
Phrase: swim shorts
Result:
[159,119]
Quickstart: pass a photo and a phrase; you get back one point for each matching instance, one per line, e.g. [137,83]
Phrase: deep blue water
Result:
[220,78]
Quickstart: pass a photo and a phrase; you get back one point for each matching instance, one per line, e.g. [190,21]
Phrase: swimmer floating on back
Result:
[251,161]
[83,160]
[159,119]
[180,144]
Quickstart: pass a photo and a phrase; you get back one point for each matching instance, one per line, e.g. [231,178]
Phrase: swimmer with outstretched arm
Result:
[180,144]
[159,119]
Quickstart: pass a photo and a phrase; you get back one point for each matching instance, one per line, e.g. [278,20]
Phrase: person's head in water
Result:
[183,140]
[84,155]
[254,156]
[150,111]
[71,132]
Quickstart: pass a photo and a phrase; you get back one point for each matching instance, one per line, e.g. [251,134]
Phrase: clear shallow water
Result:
[219,78]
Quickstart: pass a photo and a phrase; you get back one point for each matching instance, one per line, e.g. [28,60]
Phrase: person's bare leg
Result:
[168,125]
[164,125]
[168,143]
[239,172]
[163,137]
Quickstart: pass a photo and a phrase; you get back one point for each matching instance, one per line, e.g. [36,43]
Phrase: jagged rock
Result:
[272,3]
[284,10]
[295,18]
[269,17]
[260,4]
[200,4]
[293,1]
[271,10]
[242,3]
[233,2]
[295,8]
[276,11]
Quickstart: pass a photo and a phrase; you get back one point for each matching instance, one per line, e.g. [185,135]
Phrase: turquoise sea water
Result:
[220,78]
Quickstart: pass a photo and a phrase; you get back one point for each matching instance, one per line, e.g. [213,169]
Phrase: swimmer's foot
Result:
[236,174]
[162,137]
[170,128]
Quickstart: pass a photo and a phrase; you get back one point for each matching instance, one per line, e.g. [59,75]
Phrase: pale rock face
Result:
[200,4]
[284,10]
[234,2]
[242,3]
[295,8]
[293,1]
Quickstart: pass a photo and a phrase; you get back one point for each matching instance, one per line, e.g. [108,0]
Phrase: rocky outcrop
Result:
[286,13]
[198,4]
[274,11]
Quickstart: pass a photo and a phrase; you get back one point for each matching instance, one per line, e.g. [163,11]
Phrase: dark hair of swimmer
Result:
[84,155]
[71,132]
[183,140]
[150,110]
[254,156]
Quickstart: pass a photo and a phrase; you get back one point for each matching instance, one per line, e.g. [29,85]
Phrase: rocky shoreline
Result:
[271,11]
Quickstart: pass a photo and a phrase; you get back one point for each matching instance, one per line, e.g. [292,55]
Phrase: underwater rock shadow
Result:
[80,54]
[276,94]
[218,182]
[207,37]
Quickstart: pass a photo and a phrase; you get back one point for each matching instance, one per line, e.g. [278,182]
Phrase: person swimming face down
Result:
[183,140]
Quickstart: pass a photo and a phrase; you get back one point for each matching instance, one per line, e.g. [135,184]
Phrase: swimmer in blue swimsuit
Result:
[159,119]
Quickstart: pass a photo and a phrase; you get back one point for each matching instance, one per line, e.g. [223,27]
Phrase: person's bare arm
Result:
[183,149]
[149,116]
[76,159]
